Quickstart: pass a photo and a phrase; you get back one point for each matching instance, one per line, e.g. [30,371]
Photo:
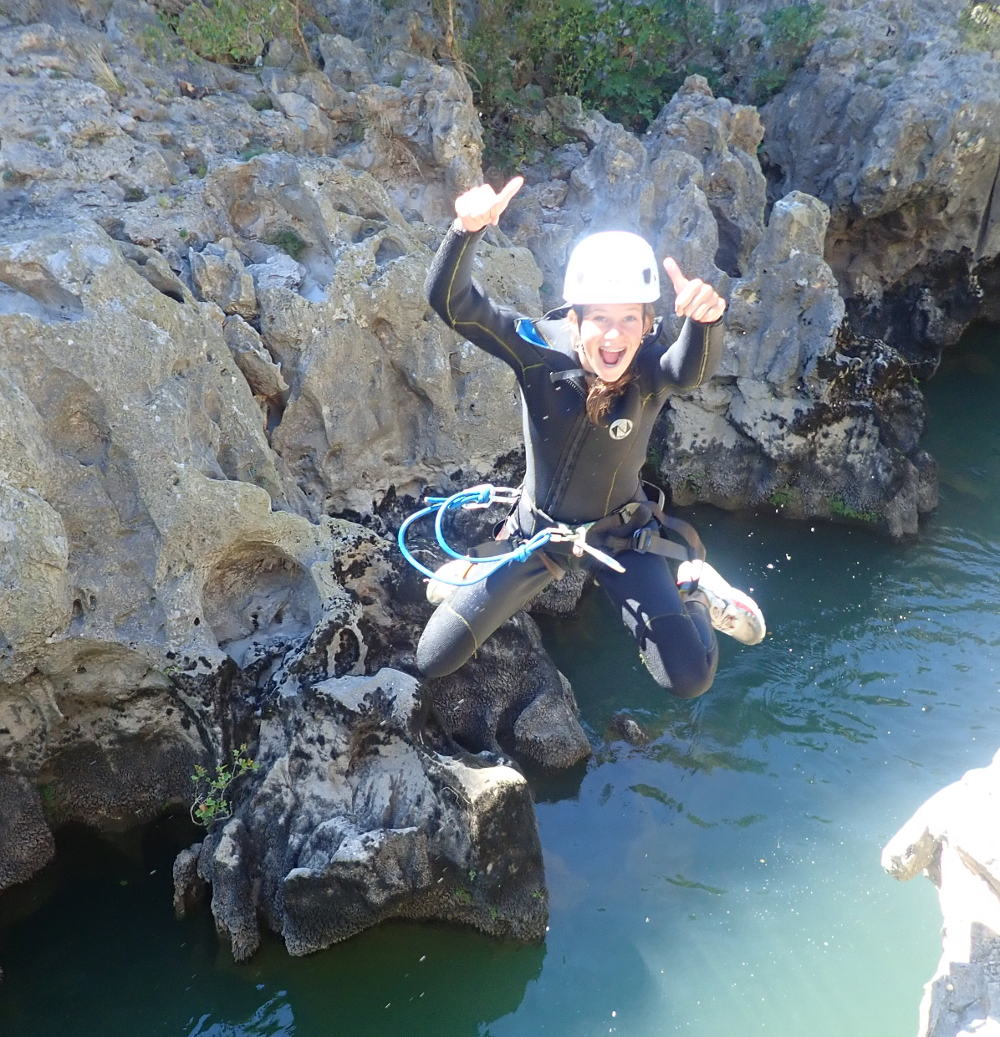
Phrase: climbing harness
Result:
[629,528]
[483,497]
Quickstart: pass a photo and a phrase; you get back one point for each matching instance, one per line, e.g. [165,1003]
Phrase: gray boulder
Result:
[351,820]
[894,122]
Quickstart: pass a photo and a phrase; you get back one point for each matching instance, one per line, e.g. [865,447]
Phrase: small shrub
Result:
[158,42]
[211,801]
[790,32]
[288,241]
[980,25]
[237,30]
[622,58]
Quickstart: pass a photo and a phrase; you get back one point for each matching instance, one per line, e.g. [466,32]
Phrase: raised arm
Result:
[453,294]
[693,358]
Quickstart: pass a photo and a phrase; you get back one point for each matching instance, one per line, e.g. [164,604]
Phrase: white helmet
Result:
[612,266]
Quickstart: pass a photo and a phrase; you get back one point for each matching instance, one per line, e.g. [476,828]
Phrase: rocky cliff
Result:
[221,387]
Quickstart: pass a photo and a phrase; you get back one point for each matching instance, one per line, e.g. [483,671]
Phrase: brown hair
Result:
[601,395]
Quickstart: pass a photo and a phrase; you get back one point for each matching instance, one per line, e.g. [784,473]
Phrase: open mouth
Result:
[610,356]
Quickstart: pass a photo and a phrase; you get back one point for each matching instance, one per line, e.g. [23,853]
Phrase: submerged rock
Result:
[954,840]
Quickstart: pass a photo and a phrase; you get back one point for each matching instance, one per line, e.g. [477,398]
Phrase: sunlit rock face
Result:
[953,840]
[894,122]
[221,388]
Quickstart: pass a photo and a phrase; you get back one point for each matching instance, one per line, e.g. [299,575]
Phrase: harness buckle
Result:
[641,539]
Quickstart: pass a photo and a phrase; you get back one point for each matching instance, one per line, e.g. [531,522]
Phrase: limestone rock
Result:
[263,375]
[220,277]
[510,698]
[952,839]
[159,582]
[351,821]
[370,372]
[24,832]
[894,122]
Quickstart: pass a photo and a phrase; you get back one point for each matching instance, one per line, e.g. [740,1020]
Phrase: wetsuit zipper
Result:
[567,462]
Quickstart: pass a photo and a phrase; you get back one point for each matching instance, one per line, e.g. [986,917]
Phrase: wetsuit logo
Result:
[620,429]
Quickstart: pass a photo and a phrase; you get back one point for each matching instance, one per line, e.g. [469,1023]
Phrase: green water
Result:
[722,878]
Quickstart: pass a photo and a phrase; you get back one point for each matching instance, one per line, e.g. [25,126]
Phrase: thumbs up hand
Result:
[693,297]
[482,205]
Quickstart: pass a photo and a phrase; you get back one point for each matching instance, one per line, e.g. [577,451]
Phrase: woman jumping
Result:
[593,377]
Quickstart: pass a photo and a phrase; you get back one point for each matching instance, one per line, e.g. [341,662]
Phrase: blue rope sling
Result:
[484,496]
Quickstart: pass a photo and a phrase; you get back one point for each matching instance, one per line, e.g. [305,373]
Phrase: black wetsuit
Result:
[576,472]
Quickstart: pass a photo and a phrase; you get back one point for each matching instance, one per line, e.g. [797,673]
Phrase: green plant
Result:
[237,30]
[159,43]
[782,498]
[980,24]
[790,32]
[620,57]
[842,509]
[211,800]
[288,241]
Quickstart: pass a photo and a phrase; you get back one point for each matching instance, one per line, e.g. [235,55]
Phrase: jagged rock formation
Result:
[221,387]
[954,841]
[894,122]
[352,820]
[185,402]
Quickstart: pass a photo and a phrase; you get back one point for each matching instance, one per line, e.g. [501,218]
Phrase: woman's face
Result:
[610,336]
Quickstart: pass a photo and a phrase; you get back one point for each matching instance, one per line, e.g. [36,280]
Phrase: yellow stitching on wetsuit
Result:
[704,352]
[475,324]
[471,323]
[472,633]
[489,331]
[614,479]
[451,282]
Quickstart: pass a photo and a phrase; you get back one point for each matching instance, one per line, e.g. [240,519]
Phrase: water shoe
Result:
[732,611]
